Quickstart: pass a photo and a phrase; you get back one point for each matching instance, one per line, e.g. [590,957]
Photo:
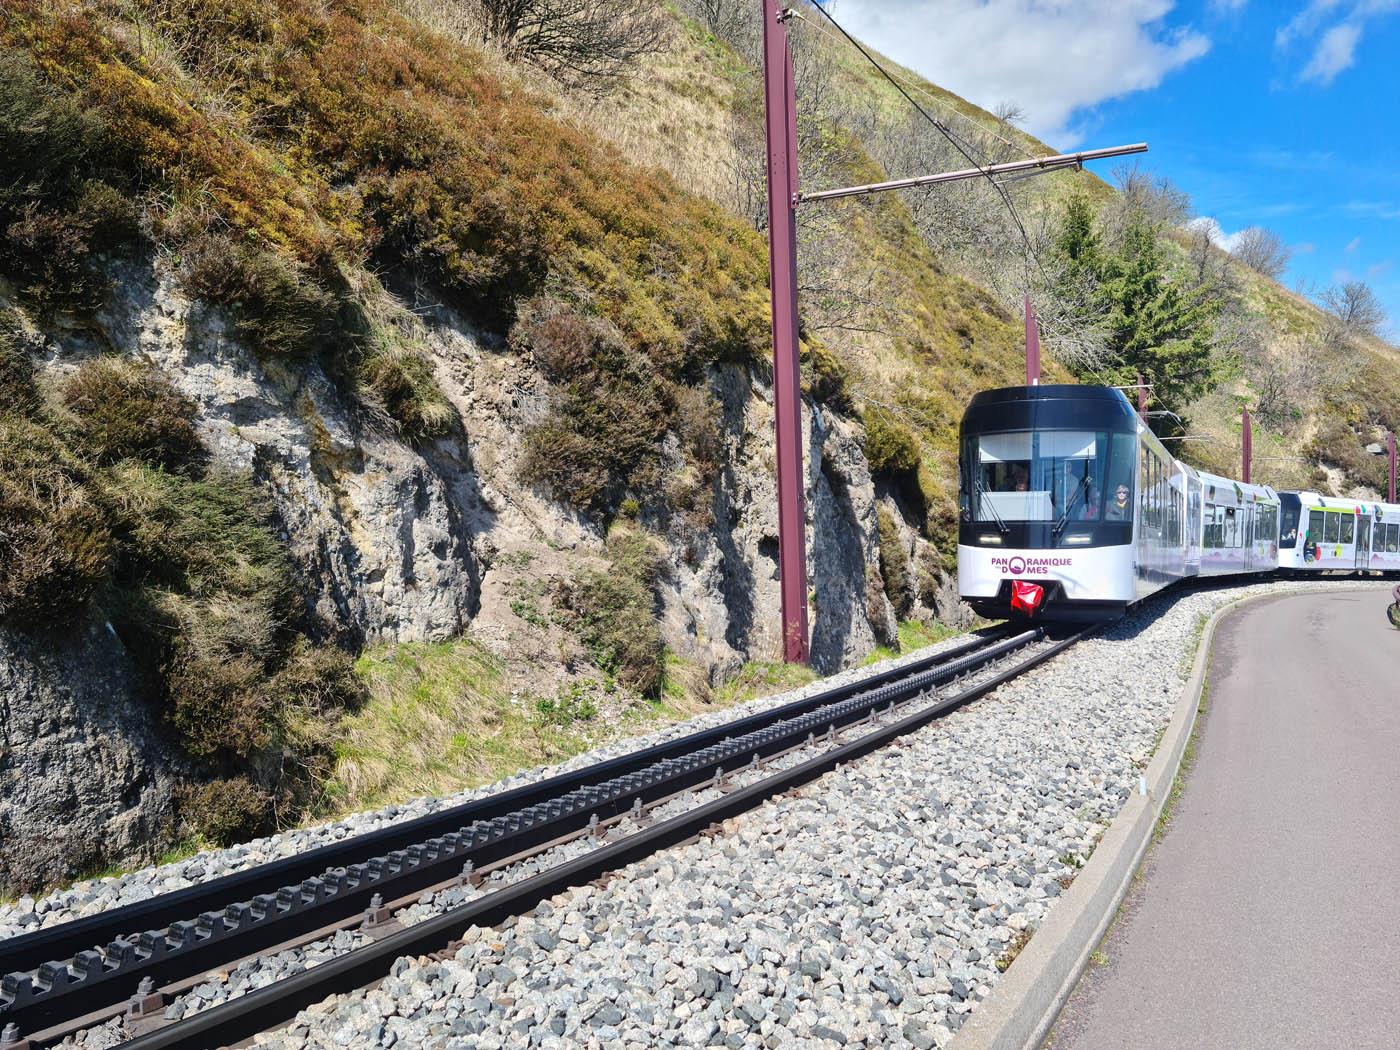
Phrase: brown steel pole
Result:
[1392,468]
[780,120]
[1246,454]
[1032,347]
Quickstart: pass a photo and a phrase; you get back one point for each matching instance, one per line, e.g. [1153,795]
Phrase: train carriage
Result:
[1325,532]
[1385,538]
[1239,528]
[1067,498]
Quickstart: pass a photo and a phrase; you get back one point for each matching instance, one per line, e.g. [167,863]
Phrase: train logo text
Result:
[1019,566]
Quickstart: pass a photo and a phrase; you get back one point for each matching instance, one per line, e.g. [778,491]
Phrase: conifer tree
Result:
[1157,323]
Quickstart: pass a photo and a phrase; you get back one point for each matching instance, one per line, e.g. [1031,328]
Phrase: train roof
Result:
[1242,490]
[1380,510]
[1049,406]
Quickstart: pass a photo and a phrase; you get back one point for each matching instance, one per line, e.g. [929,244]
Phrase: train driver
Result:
[1119,507]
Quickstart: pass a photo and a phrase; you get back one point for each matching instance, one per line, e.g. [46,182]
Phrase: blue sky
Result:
[1282,115]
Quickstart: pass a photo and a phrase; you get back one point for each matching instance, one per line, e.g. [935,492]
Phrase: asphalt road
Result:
[1269,915]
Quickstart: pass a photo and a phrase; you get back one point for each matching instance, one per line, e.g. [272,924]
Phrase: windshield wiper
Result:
[982,501]
[1069,506]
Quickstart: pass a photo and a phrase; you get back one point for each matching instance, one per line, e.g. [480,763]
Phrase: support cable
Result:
[950,136]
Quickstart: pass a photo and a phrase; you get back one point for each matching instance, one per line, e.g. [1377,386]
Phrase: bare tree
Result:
[1262,251]
[731,20]
[1355,306]
[1010,112]
[1141,196]
[580,41]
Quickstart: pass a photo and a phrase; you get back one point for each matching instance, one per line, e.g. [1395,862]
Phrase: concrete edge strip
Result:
[1026,1001]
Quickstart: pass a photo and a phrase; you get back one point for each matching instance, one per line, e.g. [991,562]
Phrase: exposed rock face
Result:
[381,533]
[85,778]
[395,543]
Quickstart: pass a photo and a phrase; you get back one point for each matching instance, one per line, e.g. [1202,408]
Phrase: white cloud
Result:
[1306,248]
[1378,209]
[1379,270]
[1055,59]
[1306,22]
[1335,52]
[1216,233]
[1352,245]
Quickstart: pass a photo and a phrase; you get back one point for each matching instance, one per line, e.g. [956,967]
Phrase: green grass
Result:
[913,634]
[440,717]
[762,678]
[1188,762]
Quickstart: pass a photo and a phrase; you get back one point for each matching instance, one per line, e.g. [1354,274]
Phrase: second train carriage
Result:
[1319,532]
[1071,508]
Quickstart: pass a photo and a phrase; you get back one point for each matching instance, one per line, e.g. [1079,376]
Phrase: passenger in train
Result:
[1020,478]
[1118,507]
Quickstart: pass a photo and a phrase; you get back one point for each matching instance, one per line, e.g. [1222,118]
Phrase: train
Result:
[1071,509]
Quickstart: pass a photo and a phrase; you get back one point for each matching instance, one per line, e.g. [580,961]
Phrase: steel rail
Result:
[61,990]
[31,950]
[277,1004]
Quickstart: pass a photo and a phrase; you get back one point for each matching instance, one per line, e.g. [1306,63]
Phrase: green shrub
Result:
[894,563]
[226,812]
[215,694]
[53,220]
[46,252]
[824,377]
[1336,442]
[571,704]
[129,410]
[609,411]
[18,394]
[45,135]
[403,383]
[890,446]
[317,679]
[613,612]
[204,537]
[278,308]
[55,546]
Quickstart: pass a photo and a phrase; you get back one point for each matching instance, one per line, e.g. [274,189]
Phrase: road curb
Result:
[1026,1001]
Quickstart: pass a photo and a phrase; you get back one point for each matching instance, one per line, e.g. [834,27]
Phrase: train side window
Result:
[1392,539]
[1330,527]
[1348,529]
[1314,532]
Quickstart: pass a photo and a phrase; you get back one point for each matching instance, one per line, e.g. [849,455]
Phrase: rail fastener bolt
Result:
[143,1003]
[376,914]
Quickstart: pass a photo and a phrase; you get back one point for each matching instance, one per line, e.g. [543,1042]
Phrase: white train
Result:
[1071,509]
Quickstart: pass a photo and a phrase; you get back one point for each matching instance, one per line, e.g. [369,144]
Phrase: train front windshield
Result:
[1052,475]
[1048,467]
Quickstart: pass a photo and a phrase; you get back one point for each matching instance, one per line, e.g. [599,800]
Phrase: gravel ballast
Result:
[871,909]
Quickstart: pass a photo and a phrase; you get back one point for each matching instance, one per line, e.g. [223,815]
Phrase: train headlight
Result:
[989,539]
[1078,539]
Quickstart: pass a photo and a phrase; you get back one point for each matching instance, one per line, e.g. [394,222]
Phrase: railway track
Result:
[131,961]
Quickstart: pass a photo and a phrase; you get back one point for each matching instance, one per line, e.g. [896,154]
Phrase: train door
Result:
[1363,541]
[1194,535]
